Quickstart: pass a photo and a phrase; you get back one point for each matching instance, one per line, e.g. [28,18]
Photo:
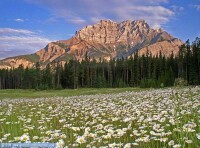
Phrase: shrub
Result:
[180,82]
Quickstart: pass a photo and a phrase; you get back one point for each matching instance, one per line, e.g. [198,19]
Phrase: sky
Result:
[29,25]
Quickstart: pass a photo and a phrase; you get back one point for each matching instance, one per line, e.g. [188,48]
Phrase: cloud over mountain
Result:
[90,11]
[19,41]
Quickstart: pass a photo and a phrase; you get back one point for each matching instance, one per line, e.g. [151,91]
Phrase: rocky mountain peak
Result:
[141,24]
[106,39]
[107,31]
[106,22]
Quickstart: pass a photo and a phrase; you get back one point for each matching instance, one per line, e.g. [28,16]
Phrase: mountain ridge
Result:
[107,40]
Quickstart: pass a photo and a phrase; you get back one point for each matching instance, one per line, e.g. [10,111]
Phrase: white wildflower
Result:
[177,146]
[60,144]
[81,139]
[25,138]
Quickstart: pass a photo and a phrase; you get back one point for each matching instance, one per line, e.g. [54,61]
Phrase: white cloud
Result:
[154,15]
[15,31]
[19,20]
[90,11]
[177,9]
[77,20]
[197,7]
[19,41]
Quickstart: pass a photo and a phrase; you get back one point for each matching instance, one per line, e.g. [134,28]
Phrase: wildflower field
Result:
[144,119]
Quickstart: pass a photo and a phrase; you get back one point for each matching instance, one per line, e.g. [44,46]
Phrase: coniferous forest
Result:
[135,71]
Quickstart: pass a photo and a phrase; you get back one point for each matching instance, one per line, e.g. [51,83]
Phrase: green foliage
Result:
[150,83]
[180,82]
[42,87]
[101,82]
[31,57]
[121,83]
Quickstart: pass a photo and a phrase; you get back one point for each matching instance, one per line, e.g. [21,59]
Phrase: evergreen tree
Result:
[144,71]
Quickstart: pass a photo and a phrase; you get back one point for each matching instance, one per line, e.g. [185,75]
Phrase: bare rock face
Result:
[104,32]
[50,52]
[106,39]
[164,47]
[109,32]
[15,63]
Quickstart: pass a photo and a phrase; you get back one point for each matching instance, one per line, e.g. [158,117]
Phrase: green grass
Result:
[30,57]
[20,93]
[155,118]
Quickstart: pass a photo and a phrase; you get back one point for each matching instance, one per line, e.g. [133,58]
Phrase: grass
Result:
[20,93]
[31,57]
[155,118]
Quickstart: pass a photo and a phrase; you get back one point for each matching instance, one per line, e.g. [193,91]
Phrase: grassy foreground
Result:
[20,93]
[158,118]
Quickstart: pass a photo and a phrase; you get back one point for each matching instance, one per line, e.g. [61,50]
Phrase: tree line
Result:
[143,71]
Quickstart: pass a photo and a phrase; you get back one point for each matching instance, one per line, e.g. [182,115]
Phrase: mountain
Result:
[106,40]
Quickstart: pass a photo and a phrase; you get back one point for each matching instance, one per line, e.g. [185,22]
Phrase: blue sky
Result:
[28,25]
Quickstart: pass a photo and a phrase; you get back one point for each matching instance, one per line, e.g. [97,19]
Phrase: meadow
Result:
[31,93]
[107,118]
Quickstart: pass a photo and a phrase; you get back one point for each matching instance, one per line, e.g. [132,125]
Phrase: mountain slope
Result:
[106,39]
